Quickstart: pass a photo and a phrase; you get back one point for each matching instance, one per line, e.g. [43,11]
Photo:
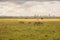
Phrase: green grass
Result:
[13,30]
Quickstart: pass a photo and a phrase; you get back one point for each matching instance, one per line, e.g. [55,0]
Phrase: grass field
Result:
[29,29]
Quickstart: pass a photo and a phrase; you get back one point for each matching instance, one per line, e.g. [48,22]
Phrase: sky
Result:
[29,7]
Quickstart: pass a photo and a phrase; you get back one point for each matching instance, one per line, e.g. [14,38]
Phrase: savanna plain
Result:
[29,29]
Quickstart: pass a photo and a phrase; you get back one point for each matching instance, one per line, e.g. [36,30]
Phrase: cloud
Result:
[29,0]
[30,8]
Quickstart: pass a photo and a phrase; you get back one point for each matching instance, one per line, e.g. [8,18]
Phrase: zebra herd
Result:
[35,23]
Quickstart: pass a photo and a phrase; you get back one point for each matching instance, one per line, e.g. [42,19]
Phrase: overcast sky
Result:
[29,7]
[22,1]
[29,0]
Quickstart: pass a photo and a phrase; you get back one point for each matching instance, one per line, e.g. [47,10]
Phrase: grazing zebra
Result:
[37,23]
[42,18]
[21,22]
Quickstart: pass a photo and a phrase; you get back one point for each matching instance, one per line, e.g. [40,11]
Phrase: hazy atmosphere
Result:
[29,19]
[29,7]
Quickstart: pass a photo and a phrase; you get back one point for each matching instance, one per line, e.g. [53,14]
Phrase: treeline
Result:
[26,17]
